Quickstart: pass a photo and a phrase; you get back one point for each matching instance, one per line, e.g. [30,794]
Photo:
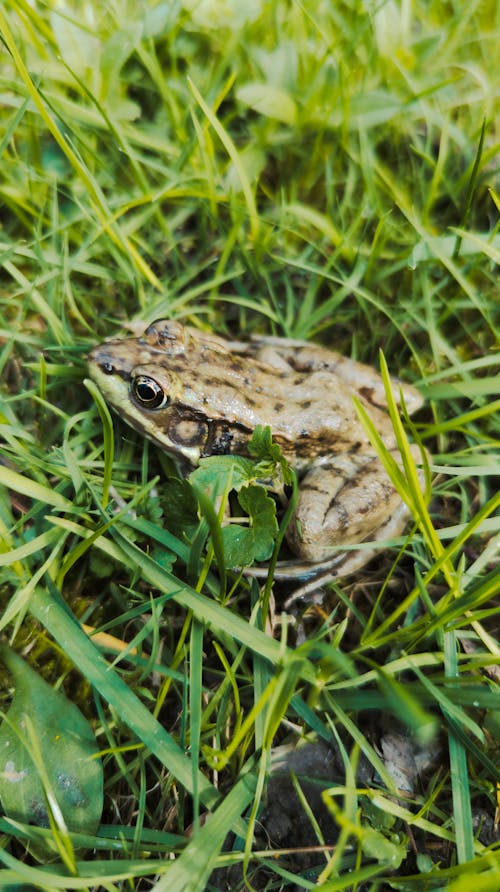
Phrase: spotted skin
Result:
[195,394]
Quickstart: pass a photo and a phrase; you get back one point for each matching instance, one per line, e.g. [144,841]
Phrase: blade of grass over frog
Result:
[232,151]
[56,619]
[218,617]
[36,491]
[190,872]
[96,196]
[407,484]
[108,437]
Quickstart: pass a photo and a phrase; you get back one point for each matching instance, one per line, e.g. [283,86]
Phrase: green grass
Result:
[325,171]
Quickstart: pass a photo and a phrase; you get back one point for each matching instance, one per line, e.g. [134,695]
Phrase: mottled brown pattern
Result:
[217,392]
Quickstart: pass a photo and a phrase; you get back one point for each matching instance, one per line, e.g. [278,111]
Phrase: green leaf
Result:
[214,472]
[267,463]
[78,45]
[243,545]
[117,50]
[47,749]
[270,461]
[220,474]
[269,101]
[180,507]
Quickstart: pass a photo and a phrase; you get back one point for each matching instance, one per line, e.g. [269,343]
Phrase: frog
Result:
[196,394]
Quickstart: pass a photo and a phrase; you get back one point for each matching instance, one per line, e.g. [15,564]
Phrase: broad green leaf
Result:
[253,161]
[180,507]
[118,49]
[78,45]
[213,473]
[269,458]
[216,475]
[269,101]
[243,545]
[267,463]
[47,749]
[231,14]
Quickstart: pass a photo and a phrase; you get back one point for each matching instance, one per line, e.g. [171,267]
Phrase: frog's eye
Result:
[148,393]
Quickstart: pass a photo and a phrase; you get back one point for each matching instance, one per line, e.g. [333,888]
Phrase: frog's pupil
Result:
[148,393]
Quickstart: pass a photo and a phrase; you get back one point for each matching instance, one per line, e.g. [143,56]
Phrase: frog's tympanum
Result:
[196,395]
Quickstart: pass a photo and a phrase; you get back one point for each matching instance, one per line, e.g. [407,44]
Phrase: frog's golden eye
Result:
[148,393]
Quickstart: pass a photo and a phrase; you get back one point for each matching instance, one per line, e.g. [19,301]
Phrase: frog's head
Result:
[148,381]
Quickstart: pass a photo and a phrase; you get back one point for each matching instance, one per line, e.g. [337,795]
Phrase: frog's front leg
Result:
[346,501]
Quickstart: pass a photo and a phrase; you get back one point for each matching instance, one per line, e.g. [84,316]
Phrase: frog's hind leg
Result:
[347,501]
